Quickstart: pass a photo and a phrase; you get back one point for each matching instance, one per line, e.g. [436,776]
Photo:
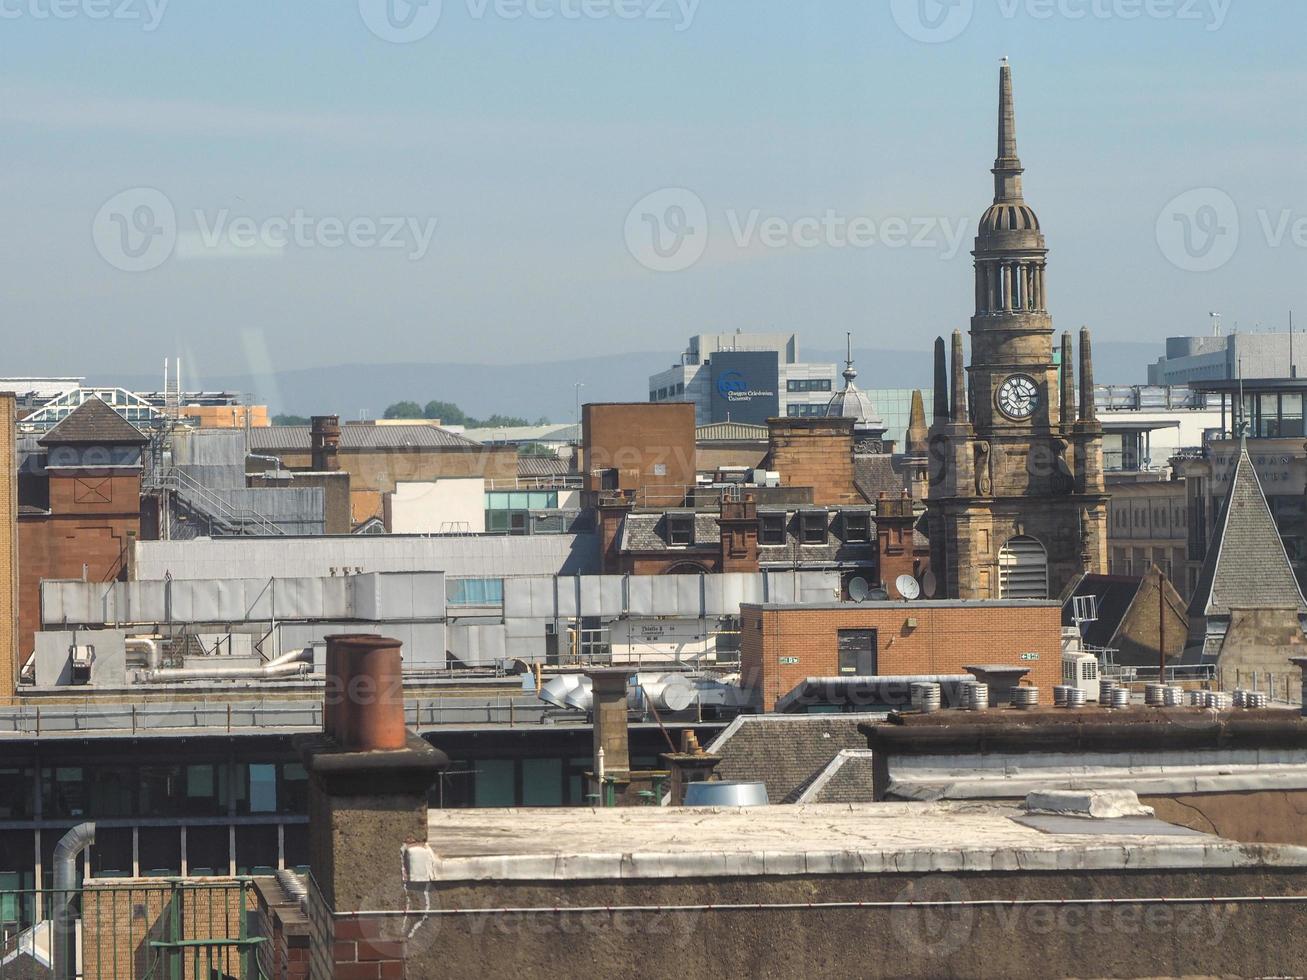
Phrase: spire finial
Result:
[1007,167]
[850,375]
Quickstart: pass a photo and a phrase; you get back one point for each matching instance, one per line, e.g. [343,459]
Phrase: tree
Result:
[404,410]
[447,412]
[501,422]
[289,420]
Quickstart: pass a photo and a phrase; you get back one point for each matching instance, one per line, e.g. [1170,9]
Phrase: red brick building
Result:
[783,645]
[79,507]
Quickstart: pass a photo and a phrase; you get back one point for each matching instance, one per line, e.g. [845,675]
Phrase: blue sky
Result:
[503,156]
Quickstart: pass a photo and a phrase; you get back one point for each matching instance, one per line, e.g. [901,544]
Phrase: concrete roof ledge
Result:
[659,843]
[1097,804]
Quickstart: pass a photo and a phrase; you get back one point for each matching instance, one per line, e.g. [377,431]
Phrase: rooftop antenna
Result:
[1293,368]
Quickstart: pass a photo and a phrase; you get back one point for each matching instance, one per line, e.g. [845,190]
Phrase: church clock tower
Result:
[1017,502]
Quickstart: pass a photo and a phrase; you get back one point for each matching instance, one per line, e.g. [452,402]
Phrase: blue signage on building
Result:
[746,386]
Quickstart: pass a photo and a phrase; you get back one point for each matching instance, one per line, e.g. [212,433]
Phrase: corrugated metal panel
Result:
[298,438]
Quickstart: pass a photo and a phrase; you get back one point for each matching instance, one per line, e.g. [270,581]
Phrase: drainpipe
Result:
[66,852]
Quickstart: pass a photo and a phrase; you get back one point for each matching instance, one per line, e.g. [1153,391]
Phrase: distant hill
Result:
[546,389]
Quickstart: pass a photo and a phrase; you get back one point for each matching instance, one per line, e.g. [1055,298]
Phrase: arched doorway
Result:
[1023,570]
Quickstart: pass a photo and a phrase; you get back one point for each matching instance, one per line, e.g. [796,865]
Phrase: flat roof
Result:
[905,606]
[578,844]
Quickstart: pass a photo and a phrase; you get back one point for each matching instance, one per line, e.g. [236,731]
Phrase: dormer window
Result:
[680,529]
[857,527]
[814,527]
[771,530]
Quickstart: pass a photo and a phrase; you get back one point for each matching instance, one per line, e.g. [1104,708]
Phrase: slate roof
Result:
[648,532]
[298,438]
[786,752]
[1247,566]
[93,423]
[874,475]
[1116,594]
[848,779]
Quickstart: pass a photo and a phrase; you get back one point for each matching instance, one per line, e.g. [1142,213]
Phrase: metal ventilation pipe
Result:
[143,644]
[66,852]
[290,664]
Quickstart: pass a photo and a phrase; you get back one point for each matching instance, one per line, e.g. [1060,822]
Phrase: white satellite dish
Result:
[859,589]
[908,587]
[929,584]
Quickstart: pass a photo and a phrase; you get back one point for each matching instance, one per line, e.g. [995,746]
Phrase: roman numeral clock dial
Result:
[1018,397]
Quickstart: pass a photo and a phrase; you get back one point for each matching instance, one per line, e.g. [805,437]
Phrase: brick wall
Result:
[945,640]
[8,549]
[651,447]
[380,469]
[817,453]
[94,515]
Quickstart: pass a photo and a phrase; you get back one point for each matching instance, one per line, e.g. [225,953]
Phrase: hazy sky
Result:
[536,179]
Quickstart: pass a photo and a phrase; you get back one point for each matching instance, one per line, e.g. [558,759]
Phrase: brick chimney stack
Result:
[895,539]
[369,777]
[324,438]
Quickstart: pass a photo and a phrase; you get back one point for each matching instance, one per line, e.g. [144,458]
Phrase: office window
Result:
[857,527]
[262,796]
[542,782]
[808,384]
[814,528]
[771,529]
[680,529]
[496,782]
[15,793]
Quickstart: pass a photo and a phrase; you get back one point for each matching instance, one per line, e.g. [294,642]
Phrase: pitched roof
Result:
[848,779]
[93,423]
[1247,566]
[874,475]
[298,438]
[542,466]
[731,432]
[787,752]
[1115,594]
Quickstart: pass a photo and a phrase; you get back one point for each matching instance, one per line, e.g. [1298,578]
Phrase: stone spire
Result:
[941,382]
[1068,383]
[1088,407]
[1007,167]
[959,396]
[917,434]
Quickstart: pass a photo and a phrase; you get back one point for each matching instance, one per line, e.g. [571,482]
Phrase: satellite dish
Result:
[859,589]
[908,587]
[929,584]
[879,595]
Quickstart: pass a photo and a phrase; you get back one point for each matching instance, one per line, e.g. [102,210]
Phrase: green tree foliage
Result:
[290,420]
[404,410]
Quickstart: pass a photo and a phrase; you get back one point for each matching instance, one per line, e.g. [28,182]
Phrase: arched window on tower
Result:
[1023,570]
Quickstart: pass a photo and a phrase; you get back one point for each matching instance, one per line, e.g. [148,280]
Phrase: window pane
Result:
[542,782]
[494,782]
[263,788]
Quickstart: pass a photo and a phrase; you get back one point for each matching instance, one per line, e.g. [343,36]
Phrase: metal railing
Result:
[198,497]
[166,929]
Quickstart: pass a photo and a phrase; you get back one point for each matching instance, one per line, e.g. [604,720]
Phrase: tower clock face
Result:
[1018,397]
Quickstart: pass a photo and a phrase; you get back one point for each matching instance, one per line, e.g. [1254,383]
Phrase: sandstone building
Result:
[1017,506]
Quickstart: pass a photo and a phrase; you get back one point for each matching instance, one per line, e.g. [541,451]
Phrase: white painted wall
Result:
[439,507]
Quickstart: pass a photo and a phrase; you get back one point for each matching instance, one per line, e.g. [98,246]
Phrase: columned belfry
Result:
[1017,503]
